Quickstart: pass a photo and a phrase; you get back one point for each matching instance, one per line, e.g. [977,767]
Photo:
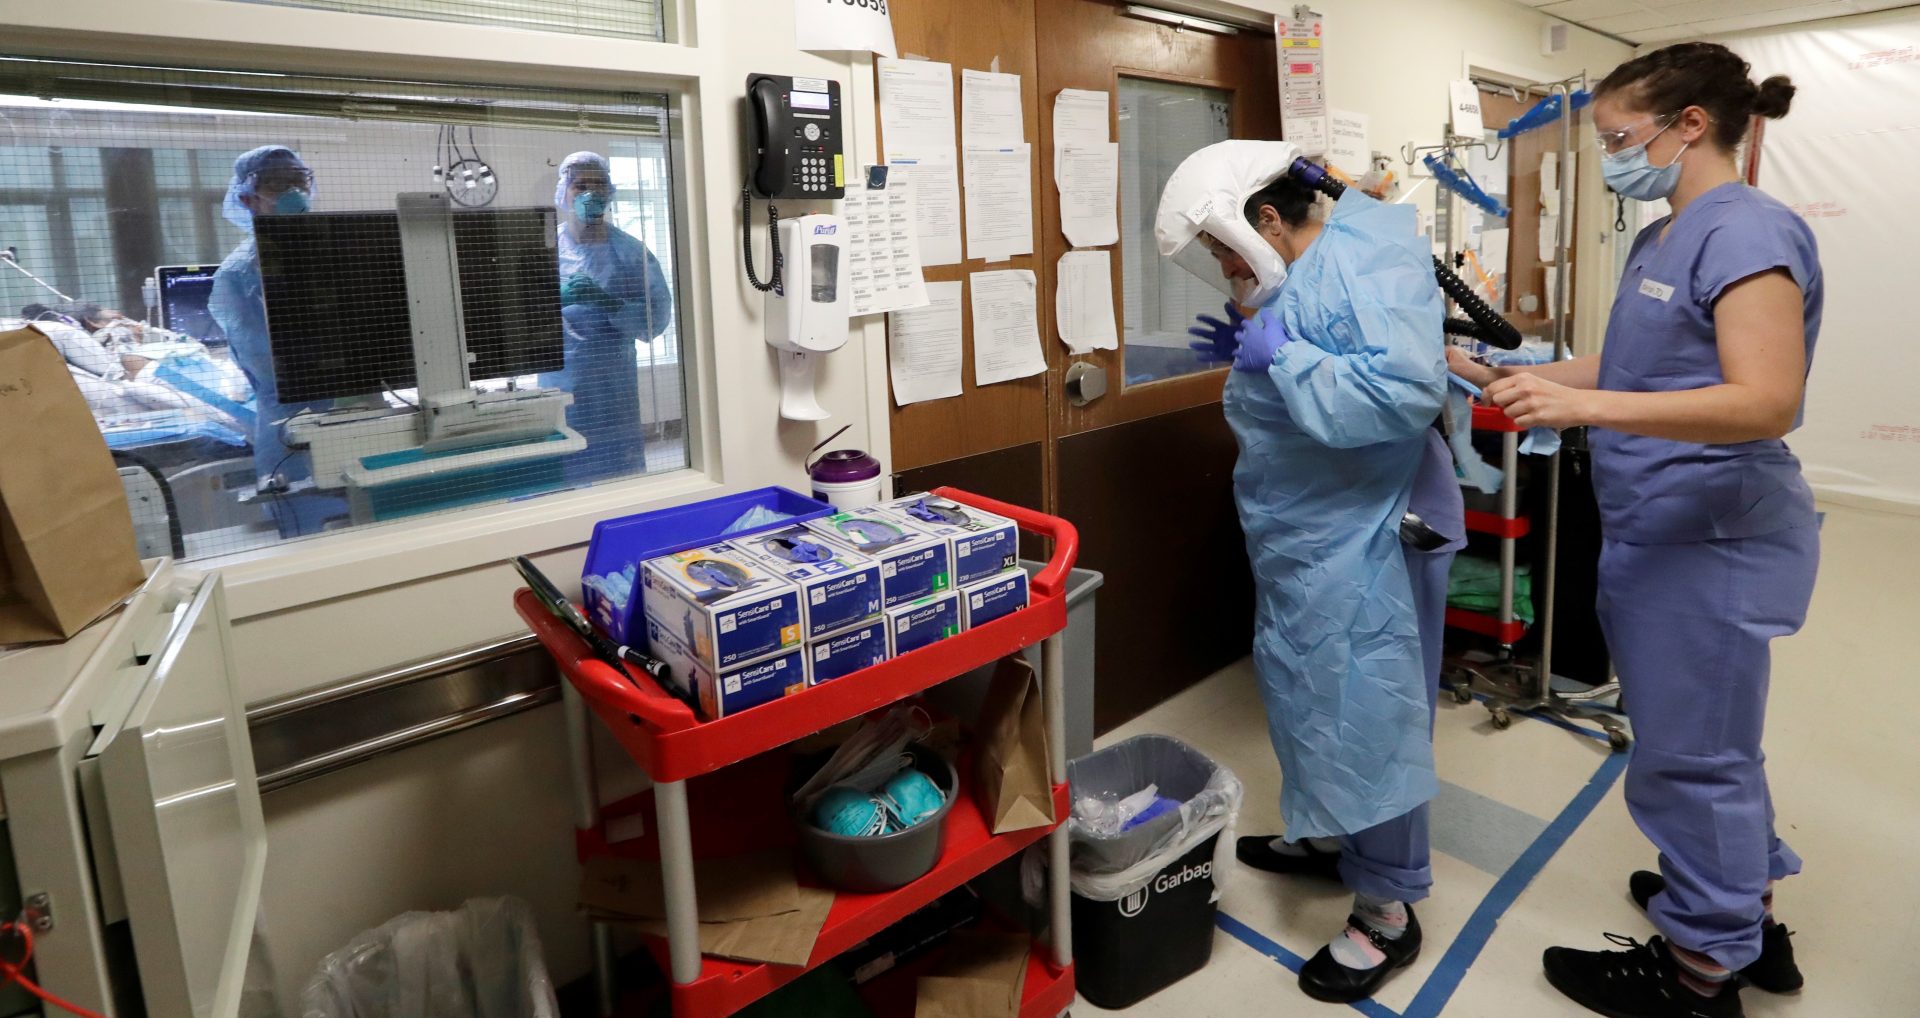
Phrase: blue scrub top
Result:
[1661,339]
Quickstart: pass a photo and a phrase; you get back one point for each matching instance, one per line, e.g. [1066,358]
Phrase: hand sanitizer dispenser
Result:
[806,314]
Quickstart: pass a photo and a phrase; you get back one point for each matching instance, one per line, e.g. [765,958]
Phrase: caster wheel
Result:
[1619,741]
[1502,720]
[1462,694]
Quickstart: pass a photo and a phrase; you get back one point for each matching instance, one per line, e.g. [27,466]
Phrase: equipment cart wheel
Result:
[1462,693]
[1501,719]
[1619,741]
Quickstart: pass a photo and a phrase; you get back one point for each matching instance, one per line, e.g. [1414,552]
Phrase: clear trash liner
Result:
[1108,867]
[482,961]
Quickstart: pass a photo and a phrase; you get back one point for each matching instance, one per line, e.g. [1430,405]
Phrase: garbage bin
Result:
[1144,899]
[482,961]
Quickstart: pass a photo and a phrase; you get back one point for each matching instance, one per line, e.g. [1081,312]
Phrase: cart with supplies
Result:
[674,745]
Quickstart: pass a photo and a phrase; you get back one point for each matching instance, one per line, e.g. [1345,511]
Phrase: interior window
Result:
[334,303]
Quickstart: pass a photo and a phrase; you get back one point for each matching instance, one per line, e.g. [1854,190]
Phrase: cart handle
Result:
[1052,580]
[637,694]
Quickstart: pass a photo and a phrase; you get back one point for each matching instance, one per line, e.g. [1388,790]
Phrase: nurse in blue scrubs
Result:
[1711,541]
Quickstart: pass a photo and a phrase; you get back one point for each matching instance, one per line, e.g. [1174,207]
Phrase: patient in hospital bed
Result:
[131,374]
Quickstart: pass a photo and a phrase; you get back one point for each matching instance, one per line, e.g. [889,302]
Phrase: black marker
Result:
[562,609]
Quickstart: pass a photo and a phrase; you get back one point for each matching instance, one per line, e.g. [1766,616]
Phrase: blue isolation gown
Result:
[601,369]
[1331,440]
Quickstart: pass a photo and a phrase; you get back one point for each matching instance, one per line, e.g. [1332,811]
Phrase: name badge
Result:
[1658,291]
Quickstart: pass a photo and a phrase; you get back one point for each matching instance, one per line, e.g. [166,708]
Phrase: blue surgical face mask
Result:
[292,203]
[590,207]
[1630,173]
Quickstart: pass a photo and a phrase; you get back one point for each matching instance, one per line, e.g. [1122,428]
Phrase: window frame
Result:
[698,90]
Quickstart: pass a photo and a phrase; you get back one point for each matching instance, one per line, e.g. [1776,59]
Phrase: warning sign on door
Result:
[1303,83]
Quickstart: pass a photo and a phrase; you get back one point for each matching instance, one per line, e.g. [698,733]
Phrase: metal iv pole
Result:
[1526,687]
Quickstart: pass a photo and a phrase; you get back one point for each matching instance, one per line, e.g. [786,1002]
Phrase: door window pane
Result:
[1161,124]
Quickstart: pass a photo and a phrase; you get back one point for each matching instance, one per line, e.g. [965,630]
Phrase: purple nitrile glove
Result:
[1218,339]
[1260,340]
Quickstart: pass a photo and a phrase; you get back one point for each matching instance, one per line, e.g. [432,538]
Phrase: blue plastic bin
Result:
[631,540]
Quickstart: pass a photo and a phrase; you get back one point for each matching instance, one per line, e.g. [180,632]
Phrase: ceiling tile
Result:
[1708,10]
[1582,11]
[1798,14]
[1666,33]
[1628,24]
[1742,22]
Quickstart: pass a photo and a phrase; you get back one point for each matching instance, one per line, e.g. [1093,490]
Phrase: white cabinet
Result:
[131,798]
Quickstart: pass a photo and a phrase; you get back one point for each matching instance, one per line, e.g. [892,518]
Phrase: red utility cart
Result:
[674,746]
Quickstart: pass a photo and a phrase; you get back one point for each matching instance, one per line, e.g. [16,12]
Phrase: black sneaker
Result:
[1774,971]
[1257,851]
[1640,982]
[1324,978]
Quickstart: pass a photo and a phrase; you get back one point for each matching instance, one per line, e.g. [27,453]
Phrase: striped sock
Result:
[1698,972]
[1353,949]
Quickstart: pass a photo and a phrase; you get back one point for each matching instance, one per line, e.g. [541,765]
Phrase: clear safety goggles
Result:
[282,179]
[1611,142]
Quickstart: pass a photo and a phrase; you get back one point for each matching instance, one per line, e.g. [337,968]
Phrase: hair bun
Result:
[1775,97]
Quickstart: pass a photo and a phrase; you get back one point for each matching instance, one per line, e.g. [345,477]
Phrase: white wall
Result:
[485,811]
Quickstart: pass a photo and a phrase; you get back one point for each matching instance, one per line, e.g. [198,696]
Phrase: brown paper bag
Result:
[67,552]
[751,907]
[1012,775]
[981,975]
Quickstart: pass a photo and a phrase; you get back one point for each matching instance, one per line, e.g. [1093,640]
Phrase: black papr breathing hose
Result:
[1494,329]
[1488,325]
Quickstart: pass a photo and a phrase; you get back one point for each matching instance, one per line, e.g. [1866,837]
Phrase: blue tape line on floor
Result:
[1465,949]
[1255,939]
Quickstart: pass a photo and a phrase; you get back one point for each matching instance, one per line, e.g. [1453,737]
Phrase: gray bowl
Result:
[888,861]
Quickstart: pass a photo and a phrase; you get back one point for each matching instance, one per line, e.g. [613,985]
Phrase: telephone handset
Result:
[796,153]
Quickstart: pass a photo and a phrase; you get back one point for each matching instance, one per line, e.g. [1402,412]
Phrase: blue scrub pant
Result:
[1689,628]
[1393,860]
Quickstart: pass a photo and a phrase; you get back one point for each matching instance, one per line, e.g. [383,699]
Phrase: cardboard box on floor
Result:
[67,551]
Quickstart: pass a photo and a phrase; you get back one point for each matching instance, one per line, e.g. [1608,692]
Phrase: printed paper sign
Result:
[861,25]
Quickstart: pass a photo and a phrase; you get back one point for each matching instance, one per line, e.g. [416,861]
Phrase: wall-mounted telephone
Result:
[795,151]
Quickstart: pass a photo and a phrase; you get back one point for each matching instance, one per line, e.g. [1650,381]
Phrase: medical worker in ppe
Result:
[1710,539]
[1338,379]
[269,180]
[612,295]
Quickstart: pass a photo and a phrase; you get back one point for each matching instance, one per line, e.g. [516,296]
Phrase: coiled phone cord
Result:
[746,240]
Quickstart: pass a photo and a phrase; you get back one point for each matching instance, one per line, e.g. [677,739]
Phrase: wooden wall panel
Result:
[973,34]
[1178,601]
